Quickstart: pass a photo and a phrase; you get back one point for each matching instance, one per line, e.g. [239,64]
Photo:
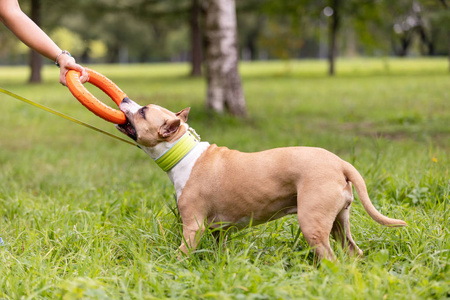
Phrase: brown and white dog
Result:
[216,185]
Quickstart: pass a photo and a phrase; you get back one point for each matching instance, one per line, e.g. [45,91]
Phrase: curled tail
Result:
[353,175]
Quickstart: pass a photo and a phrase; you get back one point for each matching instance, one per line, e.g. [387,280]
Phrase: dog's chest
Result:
[180,174]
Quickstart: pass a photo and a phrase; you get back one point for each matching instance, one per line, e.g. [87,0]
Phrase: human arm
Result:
[34,37]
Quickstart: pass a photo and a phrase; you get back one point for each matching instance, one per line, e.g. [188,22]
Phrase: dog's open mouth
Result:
[127,129]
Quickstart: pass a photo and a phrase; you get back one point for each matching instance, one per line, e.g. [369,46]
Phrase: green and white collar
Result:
[178,151]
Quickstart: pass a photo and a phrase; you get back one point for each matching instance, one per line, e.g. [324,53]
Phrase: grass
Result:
[84,216]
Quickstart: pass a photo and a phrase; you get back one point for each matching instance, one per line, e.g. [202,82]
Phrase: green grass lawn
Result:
[84,216]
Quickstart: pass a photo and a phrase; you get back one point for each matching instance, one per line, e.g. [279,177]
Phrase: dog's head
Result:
[152,124]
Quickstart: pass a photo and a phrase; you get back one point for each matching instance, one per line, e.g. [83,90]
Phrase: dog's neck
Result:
[178,174]
[161,148]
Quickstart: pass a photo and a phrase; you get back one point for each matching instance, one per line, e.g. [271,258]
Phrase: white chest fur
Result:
[179,175]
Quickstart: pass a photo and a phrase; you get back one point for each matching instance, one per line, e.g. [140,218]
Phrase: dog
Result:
[215,185]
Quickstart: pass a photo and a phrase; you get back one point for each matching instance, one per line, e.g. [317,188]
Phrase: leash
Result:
[63,116]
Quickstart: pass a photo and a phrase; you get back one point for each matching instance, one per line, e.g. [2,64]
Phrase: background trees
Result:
[156,30]
[123,31]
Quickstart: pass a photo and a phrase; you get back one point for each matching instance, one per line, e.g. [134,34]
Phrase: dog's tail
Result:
[353,175]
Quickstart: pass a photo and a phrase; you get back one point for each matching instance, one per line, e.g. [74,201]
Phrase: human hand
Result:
[67,63]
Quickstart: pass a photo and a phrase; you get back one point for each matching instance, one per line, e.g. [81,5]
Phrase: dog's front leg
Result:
[191,236]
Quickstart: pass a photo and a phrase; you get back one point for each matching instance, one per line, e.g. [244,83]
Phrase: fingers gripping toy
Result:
[91,102]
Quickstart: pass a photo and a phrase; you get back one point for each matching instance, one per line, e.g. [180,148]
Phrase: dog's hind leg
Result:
[341,226]
[341,232]
[316,224]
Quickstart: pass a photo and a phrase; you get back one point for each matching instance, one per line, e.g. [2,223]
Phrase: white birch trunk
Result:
[224,82]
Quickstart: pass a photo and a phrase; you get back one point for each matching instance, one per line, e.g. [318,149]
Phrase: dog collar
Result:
[178,151]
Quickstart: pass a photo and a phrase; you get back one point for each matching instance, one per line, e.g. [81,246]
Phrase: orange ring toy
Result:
[91,102]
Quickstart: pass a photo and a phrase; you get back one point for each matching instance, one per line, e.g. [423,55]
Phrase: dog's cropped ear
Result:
[183,115]
[169,128]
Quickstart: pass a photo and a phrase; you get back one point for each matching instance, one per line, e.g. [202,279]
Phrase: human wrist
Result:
[60,55]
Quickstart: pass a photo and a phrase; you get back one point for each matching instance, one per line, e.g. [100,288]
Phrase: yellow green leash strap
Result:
[63,115]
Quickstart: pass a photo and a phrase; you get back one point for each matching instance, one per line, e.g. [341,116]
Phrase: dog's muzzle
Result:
[128,129]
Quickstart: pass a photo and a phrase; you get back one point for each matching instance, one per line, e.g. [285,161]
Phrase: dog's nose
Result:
[126,100]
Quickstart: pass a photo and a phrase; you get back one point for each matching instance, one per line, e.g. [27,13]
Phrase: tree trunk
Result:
[35,58]
[448,45]
[224,81]
[196,40]
[405,42]
[446,7]
[333,31]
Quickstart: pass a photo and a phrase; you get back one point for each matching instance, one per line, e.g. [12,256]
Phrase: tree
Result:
[35,57]
[446,7]
[334,26]
[441,18]
[196,39]
[224,82]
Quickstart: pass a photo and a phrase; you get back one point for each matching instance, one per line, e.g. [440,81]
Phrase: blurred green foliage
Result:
[143,30]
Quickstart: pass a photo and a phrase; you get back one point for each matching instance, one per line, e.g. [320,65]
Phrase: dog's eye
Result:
[142,111]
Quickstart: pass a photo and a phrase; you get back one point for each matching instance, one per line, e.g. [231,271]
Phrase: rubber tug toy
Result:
[91,102]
